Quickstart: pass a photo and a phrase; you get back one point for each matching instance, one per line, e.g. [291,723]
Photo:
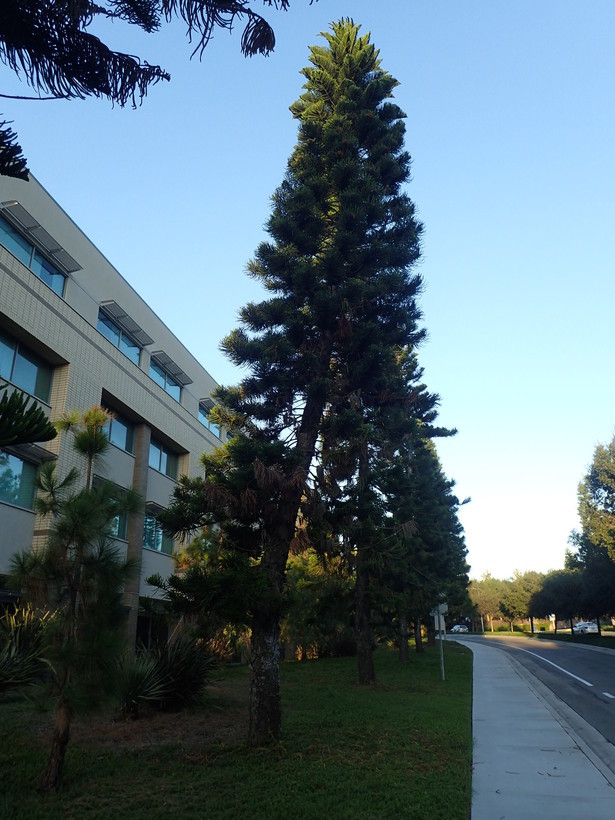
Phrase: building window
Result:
[154,538]
[121,433]
[29,256]
[165,380]
[119,337]
[118,526]
[17,481]
[162,459]
[24,369]
[204,412]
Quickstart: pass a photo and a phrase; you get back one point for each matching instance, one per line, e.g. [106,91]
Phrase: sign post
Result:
[438,612]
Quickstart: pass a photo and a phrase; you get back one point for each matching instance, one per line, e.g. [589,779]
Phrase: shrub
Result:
[140,678]
[170,677]
[185,664]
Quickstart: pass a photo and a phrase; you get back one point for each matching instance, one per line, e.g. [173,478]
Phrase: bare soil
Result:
[222,720]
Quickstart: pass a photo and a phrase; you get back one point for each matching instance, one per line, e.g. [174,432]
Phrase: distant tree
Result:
[597,570]
[431,567]
[78,577]
[596,499]
[559,595]
[363,460]
[486,595]
[338,271]
[517,594]
[317,618]
[49,44]
[22,420]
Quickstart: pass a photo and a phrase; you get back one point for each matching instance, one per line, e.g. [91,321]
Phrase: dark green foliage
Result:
[592,557]
[560,594]
[12,160]
[518,592]
[216,586]
[49,44]
[596,497]
[317,619]
[23,421]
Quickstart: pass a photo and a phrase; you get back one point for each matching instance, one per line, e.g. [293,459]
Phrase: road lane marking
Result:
[561,668]
[608,695]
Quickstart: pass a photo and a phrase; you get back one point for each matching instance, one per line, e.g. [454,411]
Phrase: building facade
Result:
[75,334]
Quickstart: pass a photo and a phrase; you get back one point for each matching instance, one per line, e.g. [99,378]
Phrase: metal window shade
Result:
[126,323]
[167,364]
[40,238]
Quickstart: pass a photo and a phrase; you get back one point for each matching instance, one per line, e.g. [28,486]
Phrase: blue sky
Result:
[511,129]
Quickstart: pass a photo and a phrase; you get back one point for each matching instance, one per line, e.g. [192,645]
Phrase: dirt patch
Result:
[222,720]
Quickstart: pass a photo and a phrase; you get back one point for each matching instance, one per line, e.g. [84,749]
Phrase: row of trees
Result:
[585,587]
[332,428]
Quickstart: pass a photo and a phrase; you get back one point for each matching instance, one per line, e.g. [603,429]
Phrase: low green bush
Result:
[169,678]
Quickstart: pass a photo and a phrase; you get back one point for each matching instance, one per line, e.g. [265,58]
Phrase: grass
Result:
[399,749]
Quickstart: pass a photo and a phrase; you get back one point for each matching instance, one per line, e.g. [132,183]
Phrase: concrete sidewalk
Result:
[529,761]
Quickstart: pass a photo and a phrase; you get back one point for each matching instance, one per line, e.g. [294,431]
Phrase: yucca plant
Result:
[141,678]
[21,646]
[186,663]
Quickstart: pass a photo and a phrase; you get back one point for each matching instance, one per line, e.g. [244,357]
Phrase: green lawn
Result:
[400,749]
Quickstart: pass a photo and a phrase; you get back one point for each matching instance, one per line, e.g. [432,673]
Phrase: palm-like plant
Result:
[79,576]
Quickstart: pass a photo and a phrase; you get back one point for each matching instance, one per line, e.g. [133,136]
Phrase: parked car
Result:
[583,627]
[459,628]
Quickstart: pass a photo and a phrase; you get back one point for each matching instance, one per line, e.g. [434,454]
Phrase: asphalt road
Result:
[583,677]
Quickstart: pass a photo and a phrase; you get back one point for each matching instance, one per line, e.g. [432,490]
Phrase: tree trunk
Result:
[363,626]
[532,624]
[265,707]
[418,635]
[52,775]
[403,638]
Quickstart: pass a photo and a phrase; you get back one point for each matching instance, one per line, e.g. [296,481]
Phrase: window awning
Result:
[33,453]
[33,230]
[126,322]
[173,369]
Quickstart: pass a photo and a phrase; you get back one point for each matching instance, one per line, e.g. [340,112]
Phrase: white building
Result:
[74,334]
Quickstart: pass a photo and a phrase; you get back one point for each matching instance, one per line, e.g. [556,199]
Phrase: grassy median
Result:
[399,749]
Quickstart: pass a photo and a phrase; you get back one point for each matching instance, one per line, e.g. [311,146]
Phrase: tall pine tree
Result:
[341,303]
